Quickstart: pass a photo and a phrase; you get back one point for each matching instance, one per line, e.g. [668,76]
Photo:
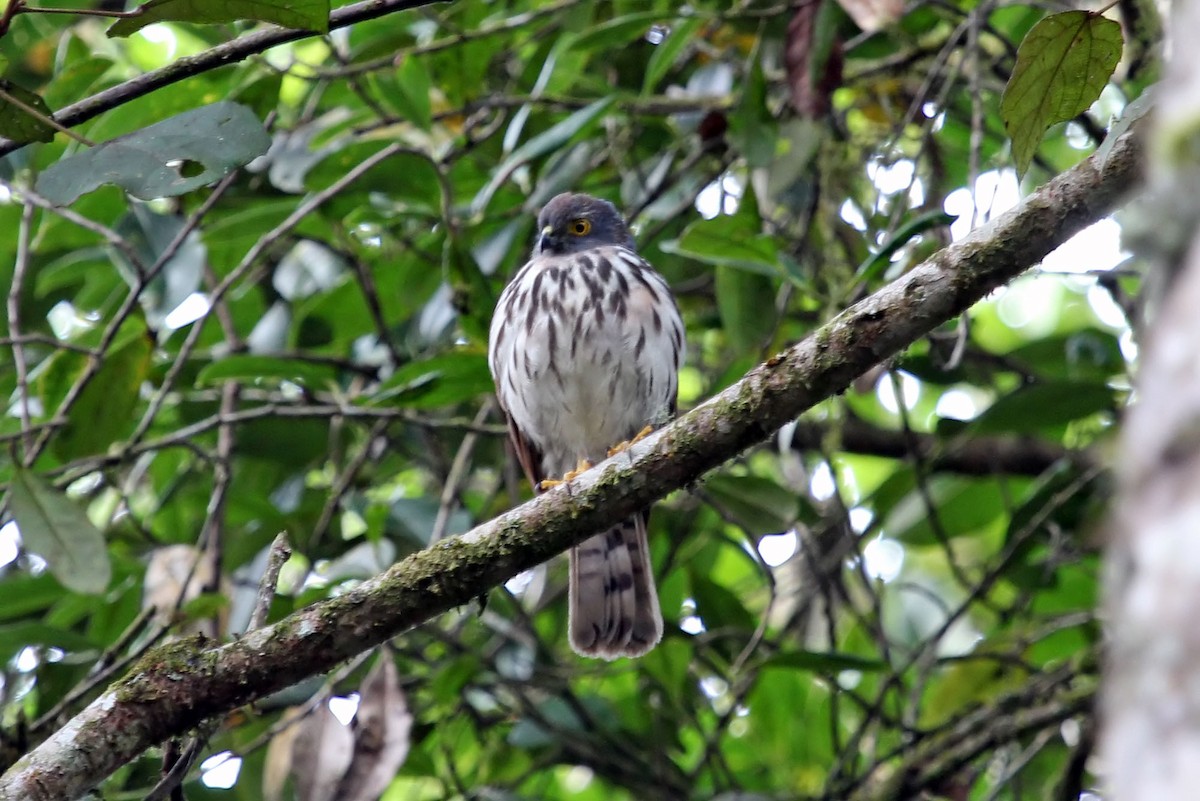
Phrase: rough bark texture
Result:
[176,687]
[1151,696]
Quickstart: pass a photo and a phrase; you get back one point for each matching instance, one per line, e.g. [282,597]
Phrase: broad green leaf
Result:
[758,503]
[23,595]
[14,637]
[169,158]
[288,442]
[75,80]
[57,530]
[440,381]
[1044,406]
[667,52]
[412,82]
[1062,66]
[308,15]
[752,128]
[1088,355]
[963,507]
[746,303]
[727,241]
[553,137]
[101,414]
[779,698]
[16,121]
[265,369]
[717,605]
[970,682]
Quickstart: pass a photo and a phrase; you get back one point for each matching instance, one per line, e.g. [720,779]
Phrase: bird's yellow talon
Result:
[621,447]
[581,467]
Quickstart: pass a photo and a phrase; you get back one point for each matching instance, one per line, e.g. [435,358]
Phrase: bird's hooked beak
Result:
[547,241]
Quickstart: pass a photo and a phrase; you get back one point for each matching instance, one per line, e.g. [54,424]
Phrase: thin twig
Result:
[14,328]
[281,551]
[219,56]
[43,118]
[458,471]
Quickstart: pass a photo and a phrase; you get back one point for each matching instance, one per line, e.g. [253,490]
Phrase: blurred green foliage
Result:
[300,347]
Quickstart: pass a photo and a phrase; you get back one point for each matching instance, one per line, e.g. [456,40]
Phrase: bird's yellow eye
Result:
[579,227]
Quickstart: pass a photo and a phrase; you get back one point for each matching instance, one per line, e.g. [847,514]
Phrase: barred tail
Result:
[613,601]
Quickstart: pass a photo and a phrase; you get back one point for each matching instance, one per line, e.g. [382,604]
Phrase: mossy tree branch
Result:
[177,686]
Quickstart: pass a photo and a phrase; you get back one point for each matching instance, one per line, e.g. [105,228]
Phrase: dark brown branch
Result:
[176,687]
[219,56]
[928,767]
[977,456]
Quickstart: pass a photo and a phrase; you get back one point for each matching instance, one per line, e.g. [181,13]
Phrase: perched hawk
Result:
[585,349]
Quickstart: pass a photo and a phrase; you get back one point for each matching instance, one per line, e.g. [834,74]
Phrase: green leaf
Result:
[75,79]
[22,595]
[150,235]
[718,606]
[746,303]
[412,81]
[1062,66]
[265,369]
[308,15]
[752,128]
[16,123]
[451,378]
[667,52]
[17,636]
[727,241]
[1059,500]
[553,137]
[1087,355]
[963,507]
[873,267]
[57,530]
[101,414]
[162,160]
[615,33]
[970,682]
[1043,406]
[758,503]
[531,732]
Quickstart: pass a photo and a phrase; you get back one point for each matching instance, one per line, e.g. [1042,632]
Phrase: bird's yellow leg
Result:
[621,447]
[582,466]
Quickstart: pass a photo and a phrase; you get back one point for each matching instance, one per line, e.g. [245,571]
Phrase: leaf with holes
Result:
[1062,66]
[169,158]
[57,530]
[307,15]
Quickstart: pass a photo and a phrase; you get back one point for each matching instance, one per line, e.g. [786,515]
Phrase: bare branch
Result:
[219,56]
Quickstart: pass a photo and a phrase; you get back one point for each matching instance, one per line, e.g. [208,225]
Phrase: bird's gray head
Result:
[572,222]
